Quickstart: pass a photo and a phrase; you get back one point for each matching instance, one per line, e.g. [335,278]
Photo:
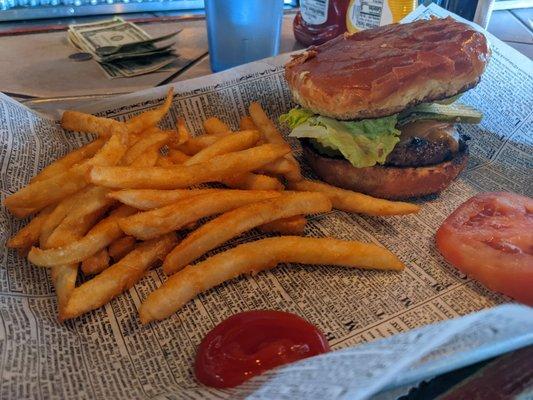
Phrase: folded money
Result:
[121,48]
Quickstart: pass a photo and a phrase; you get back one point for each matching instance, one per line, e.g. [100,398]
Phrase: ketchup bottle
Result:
[319,21]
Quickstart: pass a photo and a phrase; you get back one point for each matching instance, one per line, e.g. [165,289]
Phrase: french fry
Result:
[179,135]
[150,118]
[214,126]
[87,123]
[150,224]
[214,170]
[117,278]
[236,142]
[64,276]
[59,212]
[264,124]
[40,194]
[183,132]
[74,157]
[88,208]
[286,226]
[69,229]
[239,220]
[253,181]
[83,215]
[22,212]
[207,140]
[120,247]
[149,158]
[257,256]
[283,167]
[272,135]
[148,199]
[347,200]
[197,143]
[36,196]
[64,280]
[163,161]
[247,123]
[96,263]
[103,233]
[177,157]
[29,235]
[111,152]
[191,147]
[155,139]
[134,138]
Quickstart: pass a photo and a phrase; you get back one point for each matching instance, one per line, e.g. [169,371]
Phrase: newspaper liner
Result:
[108,354]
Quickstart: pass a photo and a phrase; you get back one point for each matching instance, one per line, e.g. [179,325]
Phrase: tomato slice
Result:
[490,238]
[249,343]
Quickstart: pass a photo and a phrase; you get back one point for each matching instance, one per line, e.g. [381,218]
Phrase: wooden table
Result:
[34,68]
[36,65]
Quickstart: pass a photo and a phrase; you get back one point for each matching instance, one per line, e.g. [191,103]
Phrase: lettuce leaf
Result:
[363,143]
[295,117]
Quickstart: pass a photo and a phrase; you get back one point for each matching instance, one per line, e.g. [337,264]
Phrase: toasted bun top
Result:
[383,71]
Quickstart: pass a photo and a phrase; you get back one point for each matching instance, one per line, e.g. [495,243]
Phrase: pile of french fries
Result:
[112,209]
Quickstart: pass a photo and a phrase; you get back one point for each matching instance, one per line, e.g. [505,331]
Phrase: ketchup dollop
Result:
[249,343]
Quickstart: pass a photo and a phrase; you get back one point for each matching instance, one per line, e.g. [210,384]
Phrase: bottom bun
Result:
[394,183]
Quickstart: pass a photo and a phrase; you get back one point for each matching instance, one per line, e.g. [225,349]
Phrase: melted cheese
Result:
[433,131]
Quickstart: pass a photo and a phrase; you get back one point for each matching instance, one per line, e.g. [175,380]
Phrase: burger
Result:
[376,109]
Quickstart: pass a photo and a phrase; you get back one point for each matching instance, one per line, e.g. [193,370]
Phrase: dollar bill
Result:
[114,35]
[135,67]
[96,25]
[74,31]
[142,54]
[135,60]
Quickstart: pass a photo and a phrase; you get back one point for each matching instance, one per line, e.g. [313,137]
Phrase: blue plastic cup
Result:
[241,31]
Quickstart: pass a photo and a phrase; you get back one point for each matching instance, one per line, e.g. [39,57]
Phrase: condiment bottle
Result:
[319,21]
[367,14]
